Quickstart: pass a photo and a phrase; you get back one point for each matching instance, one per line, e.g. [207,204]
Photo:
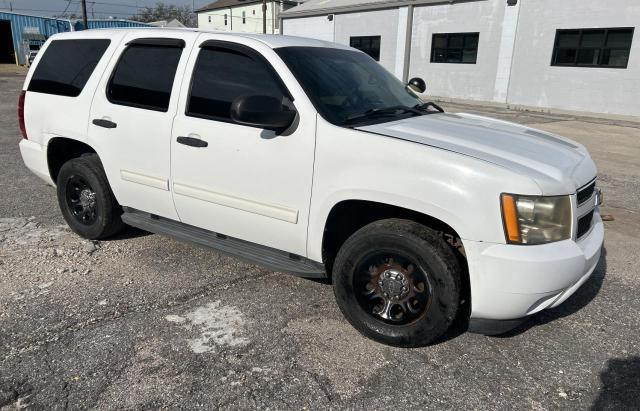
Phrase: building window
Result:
[593,47]
[367,44]
[254,11]
[459,48]
[244,17]
[225,19]
[209,19]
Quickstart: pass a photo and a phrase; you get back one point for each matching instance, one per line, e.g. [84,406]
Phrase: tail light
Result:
[23,129]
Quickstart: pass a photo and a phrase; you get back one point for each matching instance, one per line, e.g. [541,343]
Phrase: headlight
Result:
[536,220]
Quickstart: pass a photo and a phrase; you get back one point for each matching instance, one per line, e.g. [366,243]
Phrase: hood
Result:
[556,164]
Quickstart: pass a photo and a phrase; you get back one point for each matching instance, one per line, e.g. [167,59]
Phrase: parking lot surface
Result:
[143,321]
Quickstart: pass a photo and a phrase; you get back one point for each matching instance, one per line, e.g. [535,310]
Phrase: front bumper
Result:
[513,281]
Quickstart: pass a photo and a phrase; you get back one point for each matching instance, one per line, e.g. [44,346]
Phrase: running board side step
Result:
[267,257]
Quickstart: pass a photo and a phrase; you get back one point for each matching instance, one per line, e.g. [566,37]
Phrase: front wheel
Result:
[86,200]
[398,282]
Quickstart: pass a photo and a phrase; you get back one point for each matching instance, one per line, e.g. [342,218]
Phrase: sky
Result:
[97,8]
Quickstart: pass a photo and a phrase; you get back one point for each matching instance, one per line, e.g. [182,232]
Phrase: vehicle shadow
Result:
[129,233]
[620,388]
[582,297]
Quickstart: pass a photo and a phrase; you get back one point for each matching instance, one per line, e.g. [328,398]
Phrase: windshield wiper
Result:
[381,112]
[425,107]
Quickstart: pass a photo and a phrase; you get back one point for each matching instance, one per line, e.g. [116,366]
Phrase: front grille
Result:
[584,223]
[586,192]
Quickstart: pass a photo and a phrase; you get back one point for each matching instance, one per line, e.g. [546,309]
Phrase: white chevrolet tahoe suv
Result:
[308,157]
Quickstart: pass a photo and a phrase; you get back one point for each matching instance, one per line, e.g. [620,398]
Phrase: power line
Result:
[67,8]
[104,3]
[63,12]
[233,17]
[77,3]
[21,9]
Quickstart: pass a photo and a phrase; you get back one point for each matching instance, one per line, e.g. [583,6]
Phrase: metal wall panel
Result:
[47,26]
[43,25]
[108,24]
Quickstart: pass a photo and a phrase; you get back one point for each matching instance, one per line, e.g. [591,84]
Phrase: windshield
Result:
[348,87]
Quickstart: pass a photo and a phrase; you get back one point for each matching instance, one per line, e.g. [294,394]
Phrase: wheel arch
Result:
[62,149]
[349,215]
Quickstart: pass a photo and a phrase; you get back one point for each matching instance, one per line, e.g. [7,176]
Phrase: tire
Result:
[86,200]
[423,260]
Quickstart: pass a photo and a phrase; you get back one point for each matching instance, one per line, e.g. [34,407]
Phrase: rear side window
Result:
[221,75]
[66,66]
[144,76]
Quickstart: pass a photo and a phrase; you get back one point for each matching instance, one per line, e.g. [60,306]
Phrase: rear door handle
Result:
[192,141]
[100,122]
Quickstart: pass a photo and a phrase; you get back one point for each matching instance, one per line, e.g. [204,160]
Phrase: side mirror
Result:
[262,111]
[417,84]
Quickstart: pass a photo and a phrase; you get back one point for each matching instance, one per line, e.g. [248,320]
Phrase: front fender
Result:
[318,223]
[459,190]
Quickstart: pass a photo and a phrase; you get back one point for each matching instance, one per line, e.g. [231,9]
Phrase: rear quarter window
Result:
[66,66]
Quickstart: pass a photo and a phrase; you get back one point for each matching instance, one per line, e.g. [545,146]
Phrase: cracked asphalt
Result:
[144,321]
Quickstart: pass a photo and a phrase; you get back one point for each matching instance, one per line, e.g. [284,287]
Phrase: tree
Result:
[162,11]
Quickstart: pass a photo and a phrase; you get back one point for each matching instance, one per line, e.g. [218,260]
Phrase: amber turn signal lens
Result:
[510,216]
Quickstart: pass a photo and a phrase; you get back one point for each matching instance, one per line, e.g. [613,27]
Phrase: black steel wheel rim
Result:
[392,287]
[81,200]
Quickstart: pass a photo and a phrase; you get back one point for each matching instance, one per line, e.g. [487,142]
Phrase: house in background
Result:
[167,23]
[569,55]
[242,16]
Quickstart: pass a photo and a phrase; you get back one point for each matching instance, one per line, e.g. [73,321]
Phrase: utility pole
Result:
[84,14]
[264,16]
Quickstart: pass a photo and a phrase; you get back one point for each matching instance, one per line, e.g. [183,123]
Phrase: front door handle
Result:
[100,122]
[192,141]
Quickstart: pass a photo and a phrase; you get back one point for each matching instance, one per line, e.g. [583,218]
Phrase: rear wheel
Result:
[398,282]
[86,200]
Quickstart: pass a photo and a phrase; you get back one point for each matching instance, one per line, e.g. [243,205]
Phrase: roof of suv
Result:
[271,40]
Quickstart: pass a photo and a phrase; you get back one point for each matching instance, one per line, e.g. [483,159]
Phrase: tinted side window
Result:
[144,77]
[66,66]
[221,75]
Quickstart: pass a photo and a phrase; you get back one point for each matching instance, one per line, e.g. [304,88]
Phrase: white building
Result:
[569,55]
[244,16]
